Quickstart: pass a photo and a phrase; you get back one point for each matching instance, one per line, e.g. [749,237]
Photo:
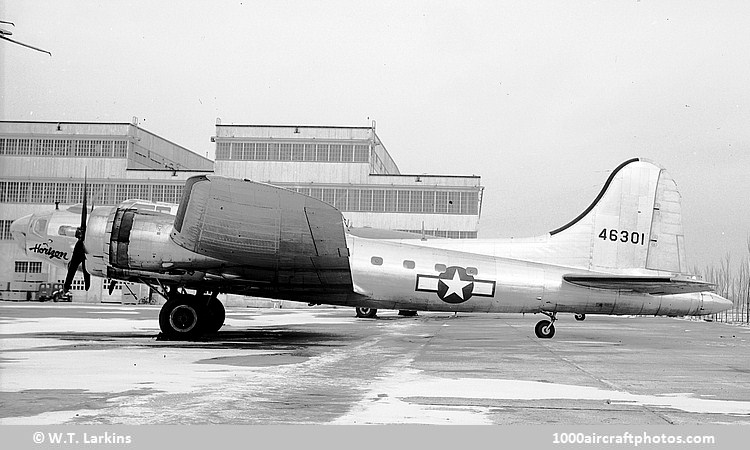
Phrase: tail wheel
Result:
[580,317]
[366,313]
[544,329]
[179,319]
[215,315]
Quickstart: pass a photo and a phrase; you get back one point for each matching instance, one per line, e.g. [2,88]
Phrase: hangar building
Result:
[43,163]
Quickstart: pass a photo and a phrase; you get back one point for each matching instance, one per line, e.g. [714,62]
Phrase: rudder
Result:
[634,224]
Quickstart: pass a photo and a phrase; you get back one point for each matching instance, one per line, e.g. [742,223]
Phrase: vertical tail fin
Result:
[634,223]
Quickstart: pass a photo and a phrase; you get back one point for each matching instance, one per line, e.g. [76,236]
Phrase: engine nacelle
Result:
[129,238]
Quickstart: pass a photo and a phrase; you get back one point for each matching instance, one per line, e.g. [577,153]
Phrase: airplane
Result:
[4,33]
[623,255]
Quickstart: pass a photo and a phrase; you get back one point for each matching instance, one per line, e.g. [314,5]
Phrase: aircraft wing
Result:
[641,284]
[278,235]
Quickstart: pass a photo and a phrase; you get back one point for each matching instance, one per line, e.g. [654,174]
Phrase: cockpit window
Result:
[67,230]
[40,227]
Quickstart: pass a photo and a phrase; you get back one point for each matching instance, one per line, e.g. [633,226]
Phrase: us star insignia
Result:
[455,285]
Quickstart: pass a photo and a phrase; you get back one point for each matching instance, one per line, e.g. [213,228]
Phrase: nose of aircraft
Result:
[713,304]
[18,230]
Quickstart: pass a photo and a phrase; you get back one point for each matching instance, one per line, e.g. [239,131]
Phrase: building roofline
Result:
[422,175]
[173,143]
[128,124]
[292,126]
[152,169]
[55,122]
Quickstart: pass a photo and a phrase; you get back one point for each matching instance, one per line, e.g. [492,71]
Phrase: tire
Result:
[544,329]
[580,317]
[215,315]
[366,313]
[179,319]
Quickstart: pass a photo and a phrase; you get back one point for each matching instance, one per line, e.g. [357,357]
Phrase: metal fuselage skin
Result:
[623,255]
[388,274]
[501,285]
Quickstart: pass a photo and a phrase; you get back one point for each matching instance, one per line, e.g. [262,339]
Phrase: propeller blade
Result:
[84,211]
[79,256]
[79,251]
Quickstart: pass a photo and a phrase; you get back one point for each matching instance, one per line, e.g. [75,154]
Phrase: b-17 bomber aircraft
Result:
[623,255]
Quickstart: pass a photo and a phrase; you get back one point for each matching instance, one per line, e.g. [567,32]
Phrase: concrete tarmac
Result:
[103,364]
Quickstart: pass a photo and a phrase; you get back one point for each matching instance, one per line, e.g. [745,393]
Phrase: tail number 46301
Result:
[632,237]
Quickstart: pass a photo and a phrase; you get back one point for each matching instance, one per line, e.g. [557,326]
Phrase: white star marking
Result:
[455,286]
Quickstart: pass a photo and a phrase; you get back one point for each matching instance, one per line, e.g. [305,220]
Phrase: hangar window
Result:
[261,151]
[106,148]
[376,261]
[340,201]
[321,152]
[403,201]
[285,152]
[82,148]
[35,267]
[298,152]
[5,234]
[390,201]
[24,146]
[441,202]
[415,205]
[353,203]
[222,150]
[121,149]
[335,153]
[22,267]
[378,198]
[365,200]
[347,153]
[11,146]
[273,152]
[409,264]
[361,153]
[310,153]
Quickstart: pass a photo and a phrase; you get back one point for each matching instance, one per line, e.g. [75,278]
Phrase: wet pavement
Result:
[104,364]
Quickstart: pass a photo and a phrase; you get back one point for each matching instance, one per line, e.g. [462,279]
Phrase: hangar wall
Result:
[42,163]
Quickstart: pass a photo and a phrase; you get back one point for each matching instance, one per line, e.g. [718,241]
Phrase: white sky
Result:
[542,99]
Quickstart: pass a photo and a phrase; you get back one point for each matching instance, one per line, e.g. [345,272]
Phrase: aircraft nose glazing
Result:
[18,230]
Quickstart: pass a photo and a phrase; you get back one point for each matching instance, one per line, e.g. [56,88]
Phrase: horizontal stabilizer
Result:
[641,284]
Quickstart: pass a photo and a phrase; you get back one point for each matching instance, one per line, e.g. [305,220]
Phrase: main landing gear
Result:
[187,316]
[545,329]
[366,313]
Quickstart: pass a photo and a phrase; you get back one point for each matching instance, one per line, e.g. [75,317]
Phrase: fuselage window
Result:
[440,267]
[40,227]
[376,261]
[408,264]
[472,271]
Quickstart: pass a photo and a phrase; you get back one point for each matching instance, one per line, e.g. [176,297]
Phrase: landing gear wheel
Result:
[366,313]
[407,313]
[179,319]
[215,315]
[580,317]
[544,329]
